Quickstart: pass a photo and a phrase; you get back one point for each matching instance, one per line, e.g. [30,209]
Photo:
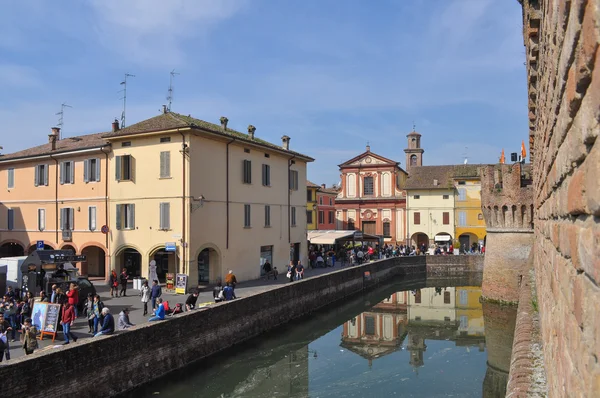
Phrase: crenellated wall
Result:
[507,204]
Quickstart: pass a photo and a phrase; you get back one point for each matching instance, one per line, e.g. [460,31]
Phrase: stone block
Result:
[592,179]
[589,251]
[576,197]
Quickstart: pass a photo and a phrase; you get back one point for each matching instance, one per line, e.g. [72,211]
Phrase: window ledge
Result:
[247,227]
[165,178]
[267,226]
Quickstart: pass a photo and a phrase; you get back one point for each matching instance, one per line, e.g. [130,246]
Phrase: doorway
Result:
[369,227]
[295,252]
[132,260]
[204,266]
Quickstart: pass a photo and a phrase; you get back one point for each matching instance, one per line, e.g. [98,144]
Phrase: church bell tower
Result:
[414,152]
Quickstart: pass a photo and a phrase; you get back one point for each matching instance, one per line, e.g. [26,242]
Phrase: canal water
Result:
[402,340]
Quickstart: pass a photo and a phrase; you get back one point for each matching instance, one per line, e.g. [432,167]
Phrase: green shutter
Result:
[118,168]
[119,217]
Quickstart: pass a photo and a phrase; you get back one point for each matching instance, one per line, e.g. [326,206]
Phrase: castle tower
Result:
[414,152]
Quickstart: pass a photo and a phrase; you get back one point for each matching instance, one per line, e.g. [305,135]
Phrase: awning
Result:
[443,238]
[329,237]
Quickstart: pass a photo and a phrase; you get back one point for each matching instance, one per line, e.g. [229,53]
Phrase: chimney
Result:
[285,142]
[323,186]
[251,130]
[368,147]
[224,121]
[165,110]
[53,137]
[115,125]
[435,182]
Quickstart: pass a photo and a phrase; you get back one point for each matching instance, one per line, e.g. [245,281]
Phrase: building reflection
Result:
[379,331]
[437,313]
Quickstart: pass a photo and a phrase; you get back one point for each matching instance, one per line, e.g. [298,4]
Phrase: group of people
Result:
[118,280]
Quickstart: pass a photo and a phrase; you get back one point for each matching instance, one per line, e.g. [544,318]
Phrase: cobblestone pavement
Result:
[133,302]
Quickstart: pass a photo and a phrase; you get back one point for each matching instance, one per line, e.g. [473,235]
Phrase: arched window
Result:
[413,160]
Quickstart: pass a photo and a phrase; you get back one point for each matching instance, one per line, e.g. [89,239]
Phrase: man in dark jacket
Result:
[108,323]
[190,303]
[155,293]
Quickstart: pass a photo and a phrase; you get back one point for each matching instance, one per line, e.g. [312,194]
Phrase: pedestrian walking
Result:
[97,308]
[113,282]
[145,293]
[123,279]
[155,293]
[89,311]
[68,318]
[29,337]
[5,327]
[73,298]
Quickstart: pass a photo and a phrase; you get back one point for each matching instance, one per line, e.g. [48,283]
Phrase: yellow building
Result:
[470,225]
[430,205]
[201,199]
[56,193]
[311,205]
[469,312]
[195,197]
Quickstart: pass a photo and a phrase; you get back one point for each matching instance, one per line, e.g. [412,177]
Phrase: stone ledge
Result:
[527,377]
[509,230]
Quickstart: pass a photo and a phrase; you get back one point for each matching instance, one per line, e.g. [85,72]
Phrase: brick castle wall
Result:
[563,64]
[507,204]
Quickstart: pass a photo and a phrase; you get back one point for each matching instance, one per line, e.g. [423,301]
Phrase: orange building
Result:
[57,193]
[371,198]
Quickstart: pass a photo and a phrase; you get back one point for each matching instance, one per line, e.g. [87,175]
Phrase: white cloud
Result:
[153,30]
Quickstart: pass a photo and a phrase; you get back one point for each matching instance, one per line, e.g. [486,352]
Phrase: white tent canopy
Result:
[329,237]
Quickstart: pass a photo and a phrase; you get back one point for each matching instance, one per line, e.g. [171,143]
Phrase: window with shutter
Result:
[165,164]
[247,216]
[293,180]
[11,219]
[267,216]
[45,168]
[11,178]
[96,169]
[462,194]
[86,170]
[119,217]
[266,175]
[71,219]
[92,218]
[321,217]
[293,216]
[331,215]
[446,218]
[118,166]
[417,218]
[130,209]
[462,218]
[247,172]
[309,217]
[165,216]
[41,219]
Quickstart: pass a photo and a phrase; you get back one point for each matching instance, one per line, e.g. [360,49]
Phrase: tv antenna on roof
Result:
[61,117]
[124,84]
[465,155]
[170,95]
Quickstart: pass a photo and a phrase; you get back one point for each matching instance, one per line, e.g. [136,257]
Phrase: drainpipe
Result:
[106,214]
[227,193]
[56,197]
[184,146]
[289,201]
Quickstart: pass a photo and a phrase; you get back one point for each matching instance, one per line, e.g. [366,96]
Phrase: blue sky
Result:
[331,74]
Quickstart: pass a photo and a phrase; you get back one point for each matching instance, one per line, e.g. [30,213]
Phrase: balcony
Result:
[67,235]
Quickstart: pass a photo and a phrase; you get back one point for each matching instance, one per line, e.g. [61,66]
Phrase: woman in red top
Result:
[73,295]
[68,317]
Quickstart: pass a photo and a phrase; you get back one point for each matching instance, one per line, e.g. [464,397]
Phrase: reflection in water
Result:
[500,323]
[425,342]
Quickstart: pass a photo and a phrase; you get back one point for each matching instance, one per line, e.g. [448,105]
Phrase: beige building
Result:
[195,197]
[201,199]
[56,193]
[430,205]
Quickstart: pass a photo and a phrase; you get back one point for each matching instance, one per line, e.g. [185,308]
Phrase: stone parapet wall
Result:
[527,374]
[506,255]
[562,39]
[110,365]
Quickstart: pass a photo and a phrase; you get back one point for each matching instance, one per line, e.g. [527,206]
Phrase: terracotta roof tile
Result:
[312,184]
[172,120]
[64,145]
[423,177]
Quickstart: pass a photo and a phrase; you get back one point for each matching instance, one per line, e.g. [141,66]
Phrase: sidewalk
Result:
[133,302]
